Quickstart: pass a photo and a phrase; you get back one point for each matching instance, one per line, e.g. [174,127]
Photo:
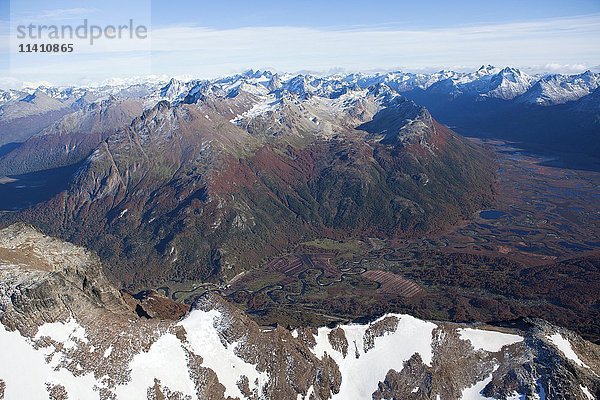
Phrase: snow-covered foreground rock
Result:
[65,333]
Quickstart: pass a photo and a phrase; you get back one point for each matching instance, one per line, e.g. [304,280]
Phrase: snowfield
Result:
[26,371]
[488,340]
[361,372]
[205,342]
[33,365]
[565,347]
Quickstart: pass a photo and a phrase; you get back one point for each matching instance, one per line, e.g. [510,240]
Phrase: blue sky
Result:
[411,14]
[209,38]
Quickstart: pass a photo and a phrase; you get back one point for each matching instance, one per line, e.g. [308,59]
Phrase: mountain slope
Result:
[560,89]
[72,138]
[24,117]
[206,190]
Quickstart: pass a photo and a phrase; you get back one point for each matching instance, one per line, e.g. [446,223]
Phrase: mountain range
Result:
[488,81]
[212,178]
[205,176]
[257,189]
[541,112]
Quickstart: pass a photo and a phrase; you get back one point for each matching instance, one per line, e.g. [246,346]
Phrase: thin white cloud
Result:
[565,68]
[554,45]
[564,41]
[52,15]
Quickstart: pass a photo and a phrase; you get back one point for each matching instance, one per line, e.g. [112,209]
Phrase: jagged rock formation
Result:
[43,278]
[76,338]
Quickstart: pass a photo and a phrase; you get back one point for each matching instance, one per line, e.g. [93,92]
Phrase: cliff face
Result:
[76,337]
[44,280]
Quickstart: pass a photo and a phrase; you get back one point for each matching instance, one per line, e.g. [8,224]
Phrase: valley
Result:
[18,192]
[503,265]
[309,200]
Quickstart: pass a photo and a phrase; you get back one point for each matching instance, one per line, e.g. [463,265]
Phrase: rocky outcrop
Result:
[63,323]
[45,280]
[150,304]
[535,368]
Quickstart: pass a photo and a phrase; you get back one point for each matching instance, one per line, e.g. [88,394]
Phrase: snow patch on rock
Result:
[491,341]
[229,367]
[564,346]
[361,371]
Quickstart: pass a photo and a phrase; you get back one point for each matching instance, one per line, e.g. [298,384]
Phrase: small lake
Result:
[491,214]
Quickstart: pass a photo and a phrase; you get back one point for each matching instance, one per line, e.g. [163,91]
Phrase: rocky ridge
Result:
[77,338]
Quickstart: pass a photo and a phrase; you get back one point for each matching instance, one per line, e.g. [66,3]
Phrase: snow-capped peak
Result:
[508,84]
[558,89]
[487,70]
[485,82]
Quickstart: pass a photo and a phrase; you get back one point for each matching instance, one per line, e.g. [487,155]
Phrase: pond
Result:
[491,214]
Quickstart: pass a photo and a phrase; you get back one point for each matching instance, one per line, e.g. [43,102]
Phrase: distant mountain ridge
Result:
[506,103]
[488,81]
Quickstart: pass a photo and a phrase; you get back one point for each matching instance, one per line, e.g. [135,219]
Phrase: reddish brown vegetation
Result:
[392,283]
